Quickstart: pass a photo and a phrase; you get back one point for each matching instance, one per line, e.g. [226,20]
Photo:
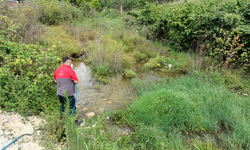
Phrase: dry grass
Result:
[66,44]
[25,21]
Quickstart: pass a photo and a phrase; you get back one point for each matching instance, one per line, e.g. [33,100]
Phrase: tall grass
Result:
[189,105]
[63,42]
[92,134]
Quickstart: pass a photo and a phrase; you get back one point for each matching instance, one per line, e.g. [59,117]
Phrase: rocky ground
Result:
[12,125]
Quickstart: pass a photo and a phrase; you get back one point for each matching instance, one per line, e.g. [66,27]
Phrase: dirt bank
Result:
[12,125]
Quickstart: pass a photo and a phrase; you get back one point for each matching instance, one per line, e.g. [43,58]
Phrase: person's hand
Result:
[55,81]
[75,82]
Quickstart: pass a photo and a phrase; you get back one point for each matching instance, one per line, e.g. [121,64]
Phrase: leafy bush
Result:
[26,74]
[127,61]
[55,12]
[129,73]
[96,4]
[139,56]
[216,28]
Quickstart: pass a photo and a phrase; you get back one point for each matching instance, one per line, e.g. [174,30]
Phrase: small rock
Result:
[85,109]
[5,120]
[245,94]
[105,99]
[123,132]
[100,110]
[77,106]
[90,114]
[1,132]
[109,102]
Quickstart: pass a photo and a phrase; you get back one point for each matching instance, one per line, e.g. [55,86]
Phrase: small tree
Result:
[121,3]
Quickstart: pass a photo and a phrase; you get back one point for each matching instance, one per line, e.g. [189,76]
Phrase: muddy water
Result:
[114,95]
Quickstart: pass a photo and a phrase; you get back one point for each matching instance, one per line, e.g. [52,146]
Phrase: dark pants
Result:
[63,101]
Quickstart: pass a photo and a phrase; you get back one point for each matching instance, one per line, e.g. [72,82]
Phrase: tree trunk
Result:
[121,8]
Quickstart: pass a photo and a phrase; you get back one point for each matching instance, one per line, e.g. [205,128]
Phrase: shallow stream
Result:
[116,94]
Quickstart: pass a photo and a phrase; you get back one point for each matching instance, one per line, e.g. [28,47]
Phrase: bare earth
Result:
[12,125]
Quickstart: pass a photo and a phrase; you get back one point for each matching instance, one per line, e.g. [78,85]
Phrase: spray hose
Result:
[39,128]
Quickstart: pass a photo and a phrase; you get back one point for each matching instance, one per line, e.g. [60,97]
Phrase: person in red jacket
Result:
[66,78]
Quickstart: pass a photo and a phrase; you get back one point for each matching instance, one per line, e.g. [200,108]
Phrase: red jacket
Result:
[65,77]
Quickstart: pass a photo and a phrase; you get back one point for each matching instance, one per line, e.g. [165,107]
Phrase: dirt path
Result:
[12,125]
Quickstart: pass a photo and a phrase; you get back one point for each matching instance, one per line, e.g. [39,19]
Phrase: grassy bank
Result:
[185,113]
[188,112]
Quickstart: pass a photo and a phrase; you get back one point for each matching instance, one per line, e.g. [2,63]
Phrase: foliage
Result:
[111,13]
[20,24]
[234,81]
[55,12]
[96,4]
[202,26]
[230,49]
[106,50]
[54,126]
[163,62]
[127,61]
[102,72]
[93,134]
[66,45]
[23,72]
[116,4]
[129,73]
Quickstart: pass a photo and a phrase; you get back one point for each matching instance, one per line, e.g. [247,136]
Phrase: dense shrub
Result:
[202,26]
[55,12]
[26,78]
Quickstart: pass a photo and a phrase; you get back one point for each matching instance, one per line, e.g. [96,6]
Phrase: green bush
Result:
[139,56]
[55,12]
[26,74]
[96,4]
[215,28]
[129,73]
[127,61]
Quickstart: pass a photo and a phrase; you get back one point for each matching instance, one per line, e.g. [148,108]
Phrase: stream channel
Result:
[114,95]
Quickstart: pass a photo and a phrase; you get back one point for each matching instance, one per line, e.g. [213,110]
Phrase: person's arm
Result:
[55,77]
[74,77]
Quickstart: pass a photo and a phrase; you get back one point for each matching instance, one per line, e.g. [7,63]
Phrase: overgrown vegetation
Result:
[209,40]
[216,29]
[165,113]
[25,73]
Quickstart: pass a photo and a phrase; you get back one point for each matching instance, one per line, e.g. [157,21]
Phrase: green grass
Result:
[188,105]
